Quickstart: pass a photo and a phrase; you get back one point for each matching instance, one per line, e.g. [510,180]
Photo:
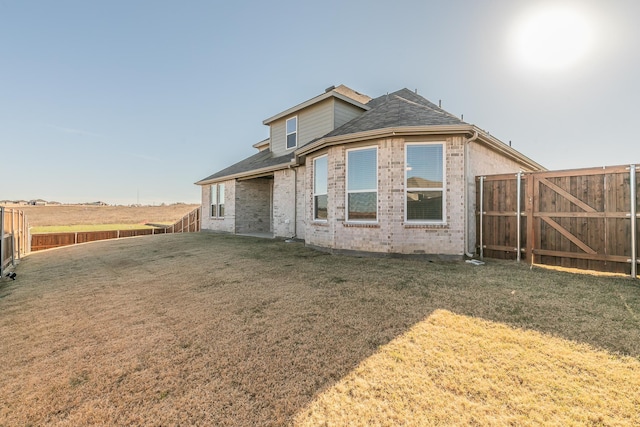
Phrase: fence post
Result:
[530,223]
[13,239]
[518,212]
[1,240]
[20,215]
[634,220]
[481,215]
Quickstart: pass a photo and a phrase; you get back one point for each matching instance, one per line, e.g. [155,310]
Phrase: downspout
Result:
[295,201]
[466,194]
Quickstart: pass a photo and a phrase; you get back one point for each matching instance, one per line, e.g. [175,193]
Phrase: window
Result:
[320,179]
[425,183]
[362,184]
[292,132]
[217,201]
[221,200]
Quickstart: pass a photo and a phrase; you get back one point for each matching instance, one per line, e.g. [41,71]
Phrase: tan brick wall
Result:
[253,206]
[226,224]
[284,209]
[391,234]
[301,212]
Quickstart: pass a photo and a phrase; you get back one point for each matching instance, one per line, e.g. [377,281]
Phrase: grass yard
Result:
[205,329]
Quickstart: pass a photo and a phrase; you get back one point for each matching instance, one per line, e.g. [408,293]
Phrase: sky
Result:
[133,101]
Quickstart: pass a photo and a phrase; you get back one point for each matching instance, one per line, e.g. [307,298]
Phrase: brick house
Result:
[348,173]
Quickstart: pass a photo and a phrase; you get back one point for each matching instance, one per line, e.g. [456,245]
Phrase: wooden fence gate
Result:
[583,218]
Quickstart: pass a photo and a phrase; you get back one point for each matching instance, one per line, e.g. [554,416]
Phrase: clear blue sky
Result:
[105,100]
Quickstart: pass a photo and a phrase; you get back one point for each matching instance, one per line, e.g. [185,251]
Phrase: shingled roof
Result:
[402,108]
[397,109]
[261,160]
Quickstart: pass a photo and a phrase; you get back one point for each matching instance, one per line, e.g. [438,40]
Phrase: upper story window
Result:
[425,173]
[320,184]
[292,132]
[362,184]
[217,201]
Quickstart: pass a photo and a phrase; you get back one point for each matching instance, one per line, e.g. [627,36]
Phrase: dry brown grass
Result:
[203,329]
[89,215]
[457,370]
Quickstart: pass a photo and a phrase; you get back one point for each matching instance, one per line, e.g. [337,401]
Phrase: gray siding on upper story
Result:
[344,112]
[313,122]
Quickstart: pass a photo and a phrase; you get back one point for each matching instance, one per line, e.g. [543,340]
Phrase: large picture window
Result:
[362,184]
[292,132]
[217,201]
[425,183]
[320,183]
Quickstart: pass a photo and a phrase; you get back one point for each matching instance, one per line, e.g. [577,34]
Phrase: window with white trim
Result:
[424,182]
[320,186]
[217,201]
[362,184]
[292,132]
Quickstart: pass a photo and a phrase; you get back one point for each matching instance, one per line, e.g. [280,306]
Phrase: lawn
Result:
[205,329]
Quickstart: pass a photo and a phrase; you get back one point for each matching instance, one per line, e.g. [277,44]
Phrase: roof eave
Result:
[247,174]
[467,129]
[385,133]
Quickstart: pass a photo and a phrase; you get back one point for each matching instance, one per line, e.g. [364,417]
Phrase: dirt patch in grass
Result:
[90,215]
[204,329]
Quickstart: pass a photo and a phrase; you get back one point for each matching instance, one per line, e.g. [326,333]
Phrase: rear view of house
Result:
[346,172]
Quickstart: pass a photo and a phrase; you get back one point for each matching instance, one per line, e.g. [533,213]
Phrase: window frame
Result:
[287,133]
[215,211]
[315,193]
[347,191]
[442,189]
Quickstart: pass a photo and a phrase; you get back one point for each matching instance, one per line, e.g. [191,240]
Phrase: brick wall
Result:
[391,234]
[284,208]
[253,206]
[226,224]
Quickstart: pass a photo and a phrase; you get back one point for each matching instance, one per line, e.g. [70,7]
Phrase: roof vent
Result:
[329,89]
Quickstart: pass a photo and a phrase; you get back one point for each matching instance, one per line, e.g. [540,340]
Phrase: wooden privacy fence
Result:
[583,218]
[14,237]
[187,224]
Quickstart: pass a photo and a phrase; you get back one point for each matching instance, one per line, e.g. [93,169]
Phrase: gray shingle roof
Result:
[260,160]
[397,109]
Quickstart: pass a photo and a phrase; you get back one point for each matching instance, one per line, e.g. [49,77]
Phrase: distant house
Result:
[345,172]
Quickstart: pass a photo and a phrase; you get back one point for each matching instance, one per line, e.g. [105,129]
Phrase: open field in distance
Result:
[207,329]
[73,215]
